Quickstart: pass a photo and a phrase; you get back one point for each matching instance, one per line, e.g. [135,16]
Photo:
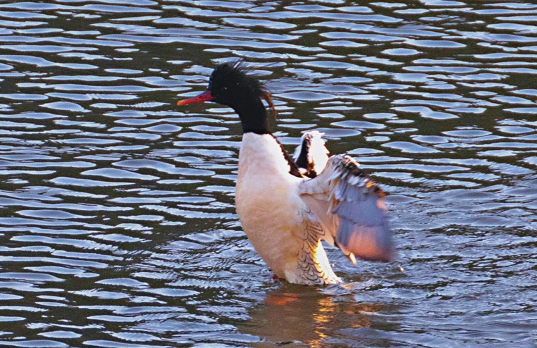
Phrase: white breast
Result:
[274,217]
[268,203]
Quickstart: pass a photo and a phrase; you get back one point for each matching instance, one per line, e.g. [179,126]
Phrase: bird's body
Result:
[276,220]
[286,211]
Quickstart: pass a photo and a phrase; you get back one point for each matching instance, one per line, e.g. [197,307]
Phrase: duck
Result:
[288,205]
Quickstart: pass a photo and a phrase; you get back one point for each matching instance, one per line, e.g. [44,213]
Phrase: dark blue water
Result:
[117,219]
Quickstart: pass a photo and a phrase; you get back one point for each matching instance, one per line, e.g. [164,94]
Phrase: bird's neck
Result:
[265,153]
[258,138]
[253,116]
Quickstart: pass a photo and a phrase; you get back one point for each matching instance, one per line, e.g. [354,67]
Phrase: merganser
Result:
[287,210]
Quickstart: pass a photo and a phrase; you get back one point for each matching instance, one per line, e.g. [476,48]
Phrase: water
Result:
[118,226]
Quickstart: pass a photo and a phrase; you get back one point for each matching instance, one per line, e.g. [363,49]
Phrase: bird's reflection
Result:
[299,316]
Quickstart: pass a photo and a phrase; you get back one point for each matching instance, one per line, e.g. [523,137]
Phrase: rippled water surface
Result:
[117,220]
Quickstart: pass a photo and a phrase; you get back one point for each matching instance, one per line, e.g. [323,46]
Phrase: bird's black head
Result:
[231,85]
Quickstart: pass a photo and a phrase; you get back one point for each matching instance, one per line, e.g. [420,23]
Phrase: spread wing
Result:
[349,205]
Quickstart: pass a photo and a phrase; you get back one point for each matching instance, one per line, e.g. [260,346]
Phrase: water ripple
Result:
[118,225]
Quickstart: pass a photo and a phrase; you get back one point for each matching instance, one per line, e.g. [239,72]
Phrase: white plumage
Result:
[286,217]
[287,207]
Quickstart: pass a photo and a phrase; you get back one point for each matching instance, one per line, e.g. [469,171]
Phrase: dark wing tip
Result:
[349,170]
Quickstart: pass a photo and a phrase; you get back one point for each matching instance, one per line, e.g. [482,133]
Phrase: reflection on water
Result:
[302,317]
[117,219]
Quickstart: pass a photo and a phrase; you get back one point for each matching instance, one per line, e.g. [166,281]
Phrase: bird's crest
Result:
[236,73]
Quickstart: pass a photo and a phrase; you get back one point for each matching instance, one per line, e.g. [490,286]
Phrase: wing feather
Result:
[350,206]
[311,155]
